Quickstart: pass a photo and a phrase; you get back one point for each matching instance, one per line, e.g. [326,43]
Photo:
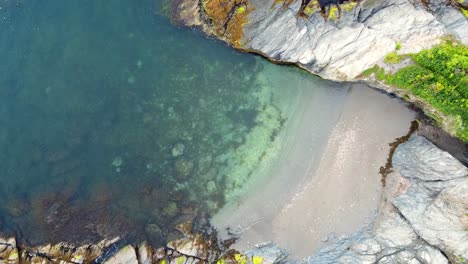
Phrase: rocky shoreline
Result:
[422,219]
[362,38]
[422,216]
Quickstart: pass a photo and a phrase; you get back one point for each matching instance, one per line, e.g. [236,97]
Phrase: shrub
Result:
[398,46]
[393,58]
[440,77]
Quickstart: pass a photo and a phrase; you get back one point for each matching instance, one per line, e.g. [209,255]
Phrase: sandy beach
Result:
[320,185]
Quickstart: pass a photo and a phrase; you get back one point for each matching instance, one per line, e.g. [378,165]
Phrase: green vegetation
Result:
[464,12]
[333,13]
[461,259]
[349,6]
[393,58]
[439,76]
[398,46]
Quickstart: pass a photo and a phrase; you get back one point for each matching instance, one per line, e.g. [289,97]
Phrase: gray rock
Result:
[126,255]
[269,252]
[451,18]
[419,158]
[427,214]
[178,149]
[144,254]
[393,242]
[343,49]
[438,217]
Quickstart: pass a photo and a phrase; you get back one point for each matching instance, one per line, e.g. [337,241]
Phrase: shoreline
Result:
[293,41]
[33,251]
[342,183]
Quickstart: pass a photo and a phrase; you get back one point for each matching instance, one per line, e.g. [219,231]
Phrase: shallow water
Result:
[325,183]
[114,122]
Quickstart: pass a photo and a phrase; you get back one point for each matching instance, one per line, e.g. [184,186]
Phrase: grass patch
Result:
[464,12]
[311,8]
[333,13]
[349,6]
[439,76]
[393,58]
[370,71]
[398,46]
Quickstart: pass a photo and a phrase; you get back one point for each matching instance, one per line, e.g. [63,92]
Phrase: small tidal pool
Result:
[114,122]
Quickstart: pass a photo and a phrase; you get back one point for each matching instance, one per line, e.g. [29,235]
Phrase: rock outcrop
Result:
[425,218]
[335,49]
[189,249]
[344,48]
[61,253]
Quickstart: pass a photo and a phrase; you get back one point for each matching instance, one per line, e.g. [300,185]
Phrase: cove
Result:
[113,122]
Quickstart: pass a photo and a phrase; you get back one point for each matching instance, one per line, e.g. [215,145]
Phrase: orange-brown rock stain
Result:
[228,17]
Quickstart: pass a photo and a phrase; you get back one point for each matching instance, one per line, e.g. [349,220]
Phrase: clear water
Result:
[114,122]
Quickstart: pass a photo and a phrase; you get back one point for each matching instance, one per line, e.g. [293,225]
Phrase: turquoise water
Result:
[114,122]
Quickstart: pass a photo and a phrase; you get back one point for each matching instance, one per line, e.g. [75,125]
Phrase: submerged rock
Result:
[170,210]
[183,168]
[153,230]
[178,149]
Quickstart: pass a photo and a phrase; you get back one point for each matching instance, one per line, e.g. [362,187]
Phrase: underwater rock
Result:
[211,187]
[117,161]
[178,150]
[183,168]
[100,193]
[153,230]
[57,155]
[204,164]
[170,210]
[18,207]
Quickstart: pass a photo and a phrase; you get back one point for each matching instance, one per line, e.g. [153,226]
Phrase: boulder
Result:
[436,200]
[191,246]
[145,254]
[269,253]
[126,255]
[394,241]
[420,159]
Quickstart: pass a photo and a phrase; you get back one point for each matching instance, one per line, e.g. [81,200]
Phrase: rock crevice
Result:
[423,221]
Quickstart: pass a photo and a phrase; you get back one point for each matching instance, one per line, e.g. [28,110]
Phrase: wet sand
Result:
[315,190]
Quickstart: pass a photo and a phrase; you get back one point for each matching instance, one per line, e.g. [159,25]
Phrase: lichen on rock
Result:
[227,18]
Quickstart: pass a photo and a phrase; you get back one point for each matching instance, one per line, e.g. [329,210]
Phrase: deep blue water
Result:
[115,122]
